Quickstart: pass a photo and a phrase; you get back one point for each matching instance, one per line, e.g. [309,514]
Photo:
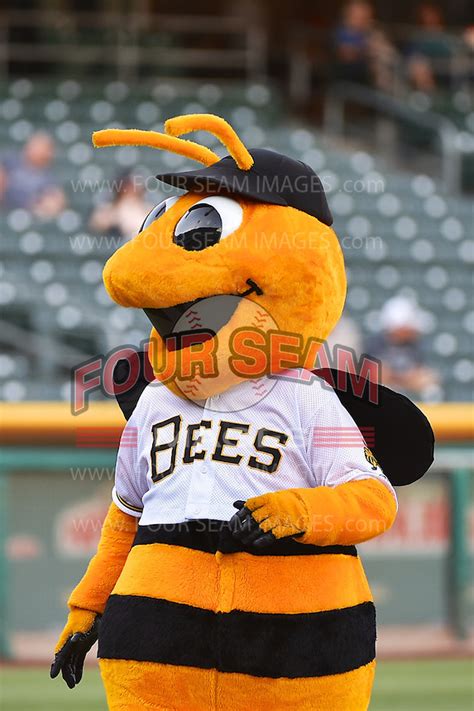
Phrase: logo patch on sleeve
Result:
[370,458]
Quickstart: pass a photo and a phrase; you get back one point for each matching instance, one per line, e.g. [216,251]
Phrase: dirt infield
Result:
[429,641]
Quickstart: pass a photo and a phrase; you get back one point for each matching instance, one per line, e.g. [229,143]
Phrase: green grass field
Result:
[400,686]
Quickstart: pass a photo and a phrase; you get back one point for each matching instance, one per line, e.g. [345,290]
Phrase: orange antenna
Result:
[216,125]
[135,137]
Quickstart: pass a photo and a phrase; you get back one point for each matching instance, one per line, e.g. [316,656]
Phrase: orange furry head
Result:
[236,251]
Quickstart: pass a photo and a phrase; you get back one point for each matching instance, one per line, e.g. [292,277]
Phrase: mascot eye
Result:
[207,222]
[158,211]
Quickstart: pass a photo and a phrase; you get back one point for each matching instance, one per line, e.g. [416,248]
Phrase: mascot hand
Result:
[347,514]
[78,636]
[264,519]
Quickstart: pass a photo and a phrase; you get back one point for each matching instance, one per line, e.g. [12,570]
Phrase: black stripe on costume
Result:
[211,536]
[258,644]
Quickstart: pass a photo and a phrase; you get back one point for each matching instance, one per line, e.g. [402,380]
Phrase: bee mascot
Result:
[226,576]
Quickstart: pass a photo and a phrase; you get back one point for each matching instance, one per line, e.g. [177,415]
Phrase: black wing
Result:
[403,437]
[140,376]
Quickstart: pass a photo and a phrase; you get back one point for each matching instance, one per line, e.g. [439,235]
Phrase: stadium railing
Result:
[388,107]
[128,44]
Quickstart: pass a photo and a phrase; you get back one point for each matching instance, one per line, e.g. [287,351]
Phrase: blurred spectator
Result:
[26,180]
[468,36]
[400,348]
[123,216]
[430,48]
[363,53]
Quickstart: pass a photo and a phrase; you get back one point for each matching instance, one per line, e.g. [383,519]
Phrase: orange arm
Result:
[118,532]
[90,596]
[342,515]
[348,514]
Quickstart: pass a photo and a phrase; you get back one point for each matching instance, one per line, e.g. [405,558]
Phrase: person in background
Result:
[430,48]
[399,346]
[123,215]
[468,38]
[363,54]
[26,179]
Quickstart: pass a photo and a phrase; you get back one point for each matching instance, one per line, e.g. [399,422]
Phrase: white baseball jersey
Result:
[181,460]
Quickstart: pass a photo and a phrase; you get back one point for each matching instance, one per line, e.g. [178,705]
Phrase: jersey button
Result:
[194,510]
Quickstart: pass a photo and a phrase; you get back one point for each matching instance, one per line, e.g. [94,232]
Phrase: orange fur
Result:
[216,125]
[90,596]
[304,583]
[78,621]
[153,139]
[132,685]
[118,532]
[344,515]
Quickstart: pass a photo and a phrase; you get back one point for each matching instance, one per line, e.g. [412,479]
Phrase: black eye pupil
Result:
[199,228]
[157,212]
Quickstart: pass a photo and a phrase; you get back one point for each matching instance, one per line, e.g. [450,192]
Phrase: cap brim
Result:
[227,179]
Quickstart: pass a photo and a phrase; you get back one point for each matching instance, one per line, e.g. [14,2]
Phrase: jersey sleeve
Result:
[130,485]
[335,448]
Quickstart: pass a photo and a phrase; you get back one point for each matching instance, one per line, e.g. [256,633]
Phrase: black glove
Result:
[245,528]
[70,658]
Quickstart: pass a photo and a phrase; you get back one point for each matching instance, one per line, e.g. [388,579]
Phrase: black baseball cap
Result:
[273,178]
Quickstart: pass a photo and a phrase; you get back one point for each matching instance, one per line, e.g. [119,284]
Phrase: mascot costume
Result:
[226,576]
